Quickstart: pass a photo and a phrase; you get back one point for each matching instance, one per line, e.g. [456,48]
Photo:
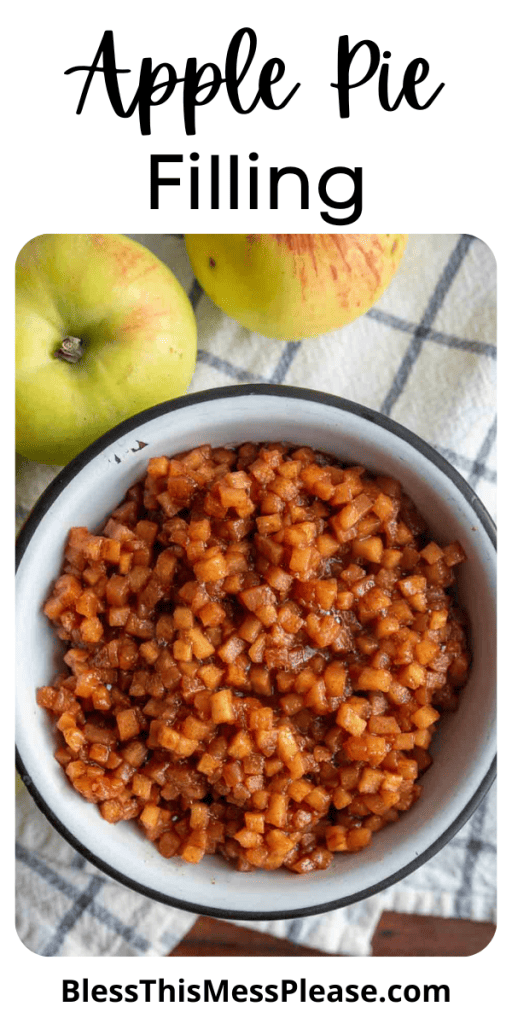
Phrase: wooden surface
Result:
[395,935]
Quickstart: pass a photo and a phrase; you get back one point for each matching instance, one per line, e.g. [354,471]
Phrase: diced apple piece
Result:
[349,720]
[222,707]
[374,679]
[425,716]
[128,724]
[336,838]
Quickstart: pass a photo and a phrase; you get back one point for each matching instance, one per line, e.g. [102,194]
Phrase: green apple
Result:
[103,331]
[294,286]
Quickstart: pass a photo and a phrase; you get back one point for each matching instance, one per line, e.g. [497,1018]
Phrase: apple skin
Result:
[294,286]
[138,331]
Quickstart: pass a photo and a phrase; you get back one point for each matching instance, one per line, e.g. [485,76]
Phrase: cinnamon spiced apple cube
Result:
[279,842]
[201,646]
[386,627]
[319,799]
[391,782]
[241,745]
[298,766]
[255,822]
[248,838]
[229,651]
[350,720]
[143,628]
[141,786]
[266,741]
[341,798]
[277,810]
[101,698]
[194,729]
[412,675]
[370,548]
[158,466]
[118,616]
[192,852]
[370,780]
[169,844]
[322,629]
[199,816]
[454,554]
[316,697]
[74,738]
[278,579]
[128,724]
[222,706]
[326,592]
[426,650]
[150,815]
[336,838]
[182,650]
[261,718]
[208,764]
[299,789]
[383,725]
[211,614]
[286,744]
[316,480]
[303,560]
[269,524]
[211,675]
[183,617]
[374,679]
[91,630]
[149,651]
[425,717]
[212,567]
[366,748]
[358,838]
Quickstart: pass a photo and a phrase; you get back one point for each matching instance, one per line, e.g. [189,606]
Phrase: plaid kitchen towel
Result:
[424,355]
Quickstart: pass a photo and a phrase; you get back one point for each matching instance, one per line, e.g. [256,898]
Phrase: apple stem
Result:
[70,351]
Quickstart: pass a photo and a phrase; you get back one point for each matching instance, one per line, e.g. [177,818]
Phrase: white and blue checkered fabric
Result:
[424,355]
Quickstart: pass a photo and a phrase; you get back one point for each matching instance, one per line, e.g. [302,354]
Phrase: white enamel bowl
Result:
[464,747]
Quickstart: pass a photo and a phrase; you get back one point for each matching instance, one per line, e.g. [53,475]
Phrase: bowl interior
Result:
[463,749]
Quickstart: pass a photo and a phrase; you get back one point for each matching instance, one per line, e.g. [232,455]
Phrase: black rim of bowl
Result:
[282,391]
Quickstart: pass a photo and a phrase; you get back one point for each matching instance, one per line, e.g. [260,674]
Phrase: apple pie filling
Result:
[259,645]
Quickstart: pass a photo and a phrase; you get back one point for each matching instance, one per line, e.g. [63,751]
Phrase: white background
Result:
[432,170]
[445,169]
